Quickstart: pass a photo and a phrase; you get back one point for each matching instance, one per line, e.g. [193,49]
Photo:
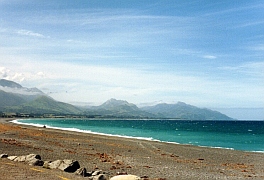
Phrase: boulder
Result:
[36,162]
[3,155]
[12,158]
[66,165]
[125,177]
[81,172]
[53,164]
[32,156]
[32,159]
[46,164]
[20,159]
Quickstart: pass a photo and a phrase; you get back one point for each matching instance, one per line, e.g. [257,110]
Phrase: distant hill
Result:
[27,94]
[19,99]
[44,105]
[10,84]
[10,99]
[118,108]
[184,111]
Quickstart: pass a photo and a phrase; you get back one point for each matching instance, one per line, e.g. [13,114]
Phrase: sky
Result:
[201,52]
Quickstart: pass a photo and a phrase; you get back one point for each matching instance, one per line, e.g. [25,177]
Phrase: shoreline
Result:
[118,136]
[124,136]
[133,156]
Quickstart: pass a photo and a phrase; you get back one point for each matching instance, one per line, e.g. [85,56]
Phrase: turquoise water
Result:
[238,135]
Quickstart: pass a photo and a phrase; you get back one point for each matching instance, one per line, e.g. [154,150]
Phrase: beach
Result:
[116,155]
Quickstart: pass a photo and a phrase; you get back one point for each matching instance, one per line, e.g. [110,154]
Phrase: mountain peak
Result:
[119,108]
[13,87]
[181,103]
[10,84]
[114,102]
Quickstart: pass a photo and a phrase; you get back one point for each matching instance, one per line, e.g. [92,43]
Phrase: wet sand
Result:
[147,159]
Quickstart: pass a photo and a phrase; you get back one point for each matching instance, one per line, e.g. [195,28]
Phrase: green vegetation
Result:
[9,99]
[44,105]
[185,111]
[33,102]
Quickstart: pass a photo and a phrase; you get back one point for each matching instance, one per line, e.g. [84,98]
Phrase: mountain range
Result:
[18,99]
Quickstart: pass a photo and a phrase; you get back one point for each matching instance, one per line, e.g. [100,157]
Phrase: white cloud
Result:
[30,33]
[19,76]
[209,57]
[4,72]
[40,74]
[71,82]
[255,69]
[99,83]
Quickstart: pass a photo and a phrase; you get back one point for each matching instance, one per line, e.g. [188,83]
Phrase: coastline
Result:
[149,137]
[149,159]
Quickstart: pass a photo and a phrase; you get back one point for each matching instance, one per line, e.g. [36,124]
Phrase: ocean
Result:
[235,135]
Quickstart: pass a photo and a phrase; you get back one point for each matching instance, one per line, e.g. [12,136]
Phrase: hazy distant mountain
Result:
[10,99]
[184,111]
[27,94]
[10,84]
[18,99]
[44,105]
[118,108]
[118,105]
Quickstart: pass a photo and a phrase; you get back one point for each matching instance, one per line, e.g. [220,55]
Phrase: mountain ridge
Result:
[19,99]
[182,110]
[11,84]
[118,108]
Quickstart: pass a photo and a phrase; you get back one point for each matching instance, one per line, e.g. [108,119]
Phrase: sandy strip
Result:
[149,160]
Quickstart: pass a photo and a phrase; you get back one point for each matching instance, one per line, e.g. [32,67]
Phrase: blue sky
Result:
[202,52]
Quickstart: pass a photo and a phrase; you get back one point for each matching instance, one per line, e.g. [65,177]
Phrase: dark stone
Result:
[101,177]
[68,165]
[3,155]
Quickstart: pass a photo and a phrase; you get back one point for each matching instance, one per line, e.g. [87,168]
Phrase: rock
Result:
[95,173]
[46,164]
[81,172]
[12,158]
[32,156]
[89,174]
[36,162]
[68,165]
[32,159]
[3,155]
[54,164]
[20,159]
[125,177]
[101,177]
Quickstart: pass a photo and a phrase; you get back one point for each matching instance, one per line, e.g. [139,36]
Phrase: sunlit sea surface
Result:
[237,135]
